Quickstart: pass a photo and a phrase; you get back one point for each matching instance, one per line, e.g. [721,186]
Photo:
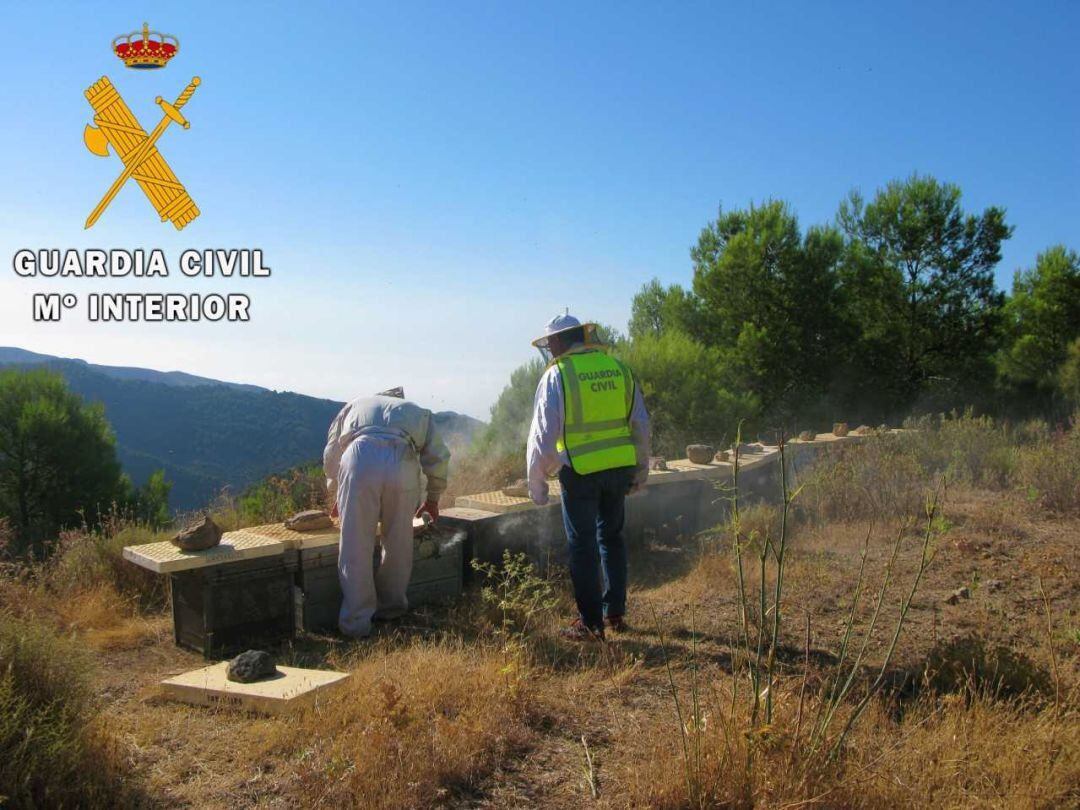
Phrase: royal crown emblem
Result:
[146,49]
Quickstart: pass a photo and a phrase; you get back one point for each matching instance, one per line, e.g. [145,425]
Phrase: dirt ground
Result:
[996,557]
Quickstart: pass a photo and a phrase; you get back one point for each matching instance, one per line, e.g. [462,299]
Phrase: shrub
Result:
[59,458]
[279,496]
[85,560]
[7,539]
[964,448]
[880,478]
[689,392]
[1049,471]
[516,593]
[889,473]
[756,522]
[971,664]
[52,750]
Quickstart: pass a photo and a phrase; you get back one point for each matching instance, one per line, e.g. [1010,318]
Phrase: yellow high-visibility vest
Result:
[598,395]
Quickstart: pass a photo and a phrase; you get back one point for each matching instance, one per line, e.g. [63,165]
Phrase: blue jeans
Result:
[592,507]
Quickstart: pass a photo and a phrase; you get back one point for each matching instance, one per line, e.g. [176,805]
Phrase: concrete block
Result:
[292,688]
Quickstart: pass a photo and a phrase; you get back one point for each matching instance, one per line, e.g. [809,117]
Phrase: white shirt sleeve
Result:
[332,455]
[435,461]
[542,457]
[639,434]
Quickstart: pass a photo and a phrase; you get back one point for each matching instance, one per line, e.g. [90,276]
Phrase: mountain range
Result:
[204,433]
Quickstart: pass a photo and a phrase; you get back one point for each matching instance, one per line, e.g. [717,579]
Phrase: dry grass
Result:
[415,726]
[981,705]
[1049,471]
[54,749]
[945,753]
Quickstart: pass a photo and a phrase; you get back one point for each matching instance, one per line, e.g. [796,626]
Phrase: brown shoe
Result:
[579,632]
[616,624]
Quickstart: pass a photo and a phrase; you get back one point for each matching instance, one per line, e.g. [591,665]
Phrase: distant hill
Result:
[10,355]
[204,433]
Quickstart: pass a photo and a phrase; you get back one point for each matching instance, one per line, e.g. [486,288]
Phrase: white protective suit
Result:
[375,450]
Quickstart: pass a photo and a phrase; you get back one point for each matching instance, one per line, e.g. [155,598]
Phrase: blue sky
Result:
[431,182]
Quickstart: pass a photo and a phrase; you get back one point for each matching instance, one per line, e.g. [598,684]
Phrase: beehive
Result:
[318,590]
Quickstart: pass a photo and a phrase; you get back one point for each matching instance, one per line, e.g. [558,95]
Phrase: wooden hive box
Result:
[230,607]
[318,590]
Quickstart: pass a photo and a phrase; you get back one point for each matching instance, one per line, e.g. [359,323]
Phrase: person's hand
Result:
[539,493]
[431,507]
[334,511]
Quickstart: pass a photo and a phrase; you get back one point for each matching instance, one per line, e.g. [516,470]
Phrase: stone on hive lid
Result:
[840,429]
[700,453]
[309,520]
[518,489]
[749,448]
[251,666]
[807,436]
[657,463]
[722,455]
[198,536]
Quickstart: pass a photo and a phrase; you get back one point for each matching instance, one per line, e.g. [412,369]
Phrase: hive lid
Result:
[165,558]
[292,539]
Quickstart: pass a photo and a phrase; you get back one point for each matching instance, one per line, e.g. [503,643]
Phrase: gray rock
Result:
[310,520]
[251,666]
[840,429]
[518,489]
[700,453]
[994,585]
[744,449]
[657,463]
[198,536]
[807,436]
[957,595]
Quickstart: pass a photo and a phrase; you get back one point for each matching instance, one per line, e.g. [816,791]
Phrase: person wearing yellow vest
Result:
[591,428]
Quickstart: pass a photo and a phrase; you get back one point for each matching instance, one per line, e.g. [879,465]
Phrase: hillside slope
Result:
[11,355]
[209,435]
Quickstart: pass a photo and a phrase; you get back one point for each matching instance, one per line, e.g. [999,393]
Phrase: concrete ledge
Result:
[682,500]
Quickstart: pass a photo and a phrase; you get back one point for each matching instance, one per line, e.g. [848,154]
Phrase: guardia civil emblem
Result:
[116,126]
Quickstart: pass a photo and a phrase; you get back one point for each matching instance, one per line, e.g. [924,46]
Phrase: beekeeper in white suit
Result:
[375,450]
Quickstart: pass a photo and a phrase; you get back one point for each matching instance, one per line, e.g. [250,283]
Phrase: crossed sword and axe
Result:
[98,143]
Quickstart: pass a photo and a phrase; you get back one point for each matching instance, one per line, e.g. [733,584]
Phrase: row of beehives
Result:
[266,582]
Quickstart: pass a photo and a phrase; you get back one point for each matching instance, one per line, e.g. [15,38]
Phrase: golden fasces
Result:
[114,125]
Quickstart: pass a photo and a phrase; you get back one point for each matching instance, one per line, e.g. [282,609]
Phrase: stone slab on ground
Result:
[292,688]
